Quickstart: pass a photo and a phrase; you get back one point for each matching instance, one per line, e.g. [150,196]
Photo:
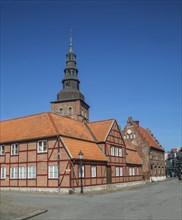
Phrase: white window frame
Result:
[93,171]
[120,152]
[43,147]
[31,172]
[117,171]
[3,173]
[121,171]
[2,150]
[53,172]
[83,171]
[112,151]
[131,171]
[116,151]
[13,172]
[14,149]
[22,172]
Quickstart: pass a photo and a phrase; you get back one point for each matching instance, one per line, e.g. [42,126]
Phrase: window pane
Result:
[117,171]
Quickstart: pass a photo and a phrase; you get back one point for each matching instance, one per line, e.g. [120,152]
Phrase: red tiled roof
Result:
[132,157]
[100,129]
[29,127]
[49,124]
[146,134]
[70,127]
[90,150]
[41,125]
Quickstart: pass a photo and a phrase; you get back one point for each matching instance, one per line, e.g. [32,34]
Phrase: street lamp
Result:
[81,171]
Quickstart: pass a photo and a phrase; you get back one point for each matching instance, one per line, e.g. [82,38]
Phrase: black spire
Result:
[70,82]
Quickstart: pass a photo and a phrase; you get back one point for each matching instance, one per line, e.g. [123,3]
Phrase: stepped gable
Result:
[101,129]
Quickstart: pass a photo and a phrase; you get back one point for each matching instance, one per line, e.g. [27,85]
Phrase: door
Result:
[108,175]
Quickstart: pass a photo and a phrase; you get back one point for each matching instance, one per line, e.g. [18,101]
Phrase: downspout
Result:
[73,165]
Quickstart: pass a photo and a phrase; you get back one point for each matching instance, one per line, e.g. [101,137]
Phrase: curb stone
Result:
[32,214]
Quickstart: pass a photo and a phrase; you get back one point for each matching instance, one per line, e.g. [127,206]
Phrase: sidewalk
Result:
[8,211]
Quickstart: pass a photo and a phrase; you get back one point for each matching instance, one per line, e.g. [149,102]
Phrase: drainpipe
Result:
[73,165]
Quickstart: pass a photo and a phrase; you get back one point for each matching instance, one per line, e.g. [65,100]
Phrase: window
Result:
[112,151]
[31,172]
[42,146]
[22,172]
[53,171]
[120,152]
[3,173]
[134,136]
[2,150]
[13,172]
[131,171]
[80,171]
[14,149]
[82,112]
[117,171]
[116,151]
[124,137]
[70,111]
[93,171]
[121,171]
[61,111]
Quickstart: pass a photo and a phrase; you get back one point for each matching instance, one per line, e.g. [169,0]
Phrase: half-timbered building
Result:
[41,152]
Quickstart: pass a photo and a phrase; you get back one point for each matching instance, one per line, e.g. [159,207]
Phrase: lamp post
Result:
[81,171]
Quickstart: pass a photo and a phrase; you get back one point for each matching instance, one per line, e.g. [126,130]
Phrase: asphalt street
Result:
[161,200]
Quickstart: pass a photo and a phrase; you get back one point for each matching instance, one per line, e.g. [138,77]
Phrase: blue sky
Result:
[128,56]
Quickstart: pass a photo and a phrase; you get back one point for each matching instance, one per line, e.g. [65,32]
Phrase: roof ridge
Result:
[26,116]
[101,120]
[66,117]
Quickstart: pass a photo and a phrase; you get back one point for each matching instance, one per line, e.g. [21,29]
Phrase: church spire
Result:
[70,101]
[71,44]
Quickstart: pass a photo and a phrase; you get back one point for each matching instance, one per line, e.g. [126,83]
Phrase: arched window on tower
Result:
[70,111]
[82,112]
[61,111]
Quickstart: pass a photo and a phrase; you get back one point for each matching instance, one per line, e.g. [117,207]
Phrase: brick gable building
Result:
[148,148]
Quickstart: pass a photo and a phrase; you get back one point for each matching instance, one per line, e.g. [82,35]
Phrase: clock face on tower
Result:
[129,131]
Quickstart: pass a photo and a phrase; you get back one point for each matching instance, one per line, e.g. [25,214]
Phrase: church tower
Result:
[70,101]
